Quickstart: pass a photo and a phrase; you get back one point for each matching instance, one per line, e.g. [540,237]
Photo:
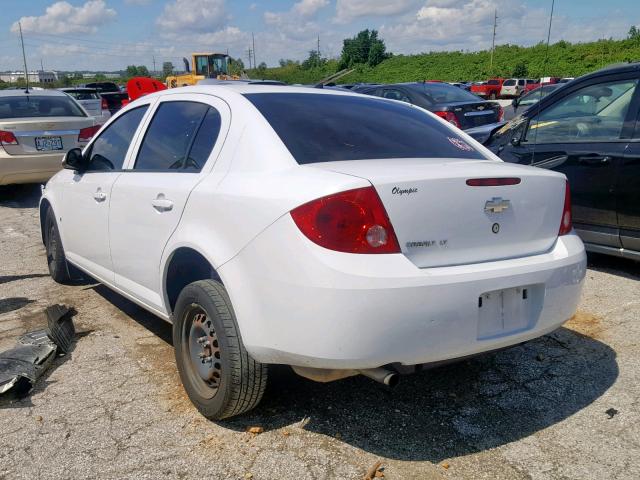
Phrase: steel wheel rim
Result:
[201,351]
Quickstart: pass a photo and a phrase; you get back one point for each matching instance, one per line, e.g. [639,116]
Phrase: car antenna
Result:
[24,58]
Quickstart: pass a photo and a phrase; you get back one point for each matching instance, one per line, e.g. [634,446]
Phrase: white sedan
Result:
[337,233]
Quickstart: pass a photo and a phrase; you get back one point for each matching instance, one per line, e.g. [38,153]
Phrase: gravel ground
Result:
[562,406]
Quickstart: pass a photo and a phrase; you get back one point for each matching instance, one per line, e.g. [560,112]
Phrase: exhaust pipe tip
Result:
[382,375]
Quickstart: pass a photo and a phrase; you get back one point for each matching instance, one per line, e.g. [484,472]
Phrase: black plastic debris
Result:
[61,329]
[21,366]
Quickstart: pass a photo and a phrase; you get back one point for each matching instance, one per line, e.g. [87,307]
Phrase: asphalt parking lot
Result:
[563,406]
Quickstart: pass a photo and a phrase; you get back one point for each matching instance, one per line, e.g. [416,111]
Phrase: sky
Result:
[108,35]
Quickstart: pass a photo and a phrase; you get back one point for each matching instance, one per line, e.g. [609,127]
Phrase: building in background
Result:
[42,76]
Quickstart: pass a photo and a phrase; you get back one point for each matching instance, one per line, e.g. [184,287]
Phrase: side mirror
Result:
[73,160]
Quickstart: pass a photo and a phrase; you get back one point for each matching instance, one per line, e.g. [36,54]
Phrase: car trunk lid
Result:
[44,135]
[93,107]
[475,114]
[440,220]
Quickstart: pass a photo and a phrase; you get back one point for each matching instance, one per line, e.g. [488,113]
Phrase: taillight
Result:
[449,117]
[354,221]
[87,133]
[104,105]
[8,138]
[500,113]
[566,224]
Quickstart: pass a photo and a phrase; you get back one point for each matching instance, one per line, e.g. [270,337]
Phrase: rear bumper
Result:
[300,304]
[28,168]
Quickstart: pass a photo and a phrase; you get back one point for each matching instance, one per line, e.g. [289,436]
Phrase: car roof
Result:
[39,93]
[229,89]
[77,89]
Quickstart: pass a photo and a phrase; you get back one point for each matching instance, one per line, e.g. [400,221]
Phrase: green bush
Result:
[564,59]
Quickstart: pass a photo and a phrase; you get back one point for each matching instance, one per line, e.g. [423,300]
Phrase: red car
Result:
[490,89]
[540,82]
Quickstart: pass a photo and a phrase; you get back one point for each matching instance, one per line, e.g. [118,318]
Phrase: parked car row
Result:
[588,129]
[453,104]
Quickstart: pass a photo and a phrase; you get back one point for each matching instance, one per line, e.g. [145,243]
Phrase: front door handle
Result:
[595,160]
[162,204]
[99,195]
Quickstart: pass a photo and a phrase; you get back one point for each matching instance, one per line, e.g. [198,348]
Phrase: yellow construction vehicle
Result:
[205,65]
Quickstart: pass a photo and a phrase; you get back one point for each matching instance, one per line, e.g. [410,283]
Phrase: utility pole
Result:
[493,41]
[253,40]
[154,66]
[41,66]
[24,58]
[249,54]
[318,47]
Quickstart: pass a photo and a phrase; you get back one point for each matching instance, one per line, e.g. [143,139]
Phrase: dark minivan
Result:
[457,106]
[589,130]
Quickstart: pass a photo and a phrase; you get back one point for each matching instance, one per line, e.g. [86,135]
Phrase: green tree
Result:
[100,77]
[634,33]
[313,61]
[288,62]
[236,66]
[167,69]
[132,71]
[262,68]
[520,70]
[143,71]
[65,80]
[364,48]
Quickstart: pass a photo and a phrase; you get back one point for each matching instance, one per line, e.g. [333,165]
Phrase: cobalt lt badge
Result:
[495,228]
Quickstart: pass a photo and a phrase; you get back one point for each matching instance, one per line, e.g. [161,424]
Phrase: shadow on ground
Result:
[442,413]
[622,267]
[20,196]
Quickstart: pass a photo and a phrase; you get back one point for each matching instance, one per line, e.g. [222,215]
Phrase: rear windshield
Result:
[327,128]
[509,83]
[443,93]
[29,106]
[83,94]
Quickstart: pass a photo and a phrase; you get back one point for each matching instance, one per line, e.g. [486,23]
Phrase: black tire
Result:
[492,96]
[219,376]
[56,260]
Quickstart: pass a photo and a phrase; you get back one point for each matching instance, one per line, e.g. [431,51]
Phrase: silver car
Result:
[37,128]
[91,101]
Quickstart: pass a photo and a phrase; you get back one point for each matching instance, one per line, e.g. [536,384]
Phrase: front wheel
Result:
[219,376]
[56,260]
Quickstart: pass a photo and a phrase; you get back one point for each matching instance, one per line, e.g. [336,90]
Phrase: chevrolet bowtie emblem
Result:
[496,205]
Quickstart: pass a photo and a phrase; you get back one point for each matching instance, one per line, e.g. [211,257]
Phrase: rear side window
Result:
[34,106]
[326,128]
[171,136]
[493,82]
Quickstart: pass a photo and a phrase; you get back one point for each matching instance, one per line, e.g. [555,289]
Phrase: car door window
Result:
[595,113]
[204,140]
[394,94]
[171,136]
[109,150]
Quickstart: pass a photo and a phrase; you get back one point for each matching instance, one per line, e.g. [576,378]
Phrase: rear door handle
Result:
[162,204]
[595,160]
[99,196]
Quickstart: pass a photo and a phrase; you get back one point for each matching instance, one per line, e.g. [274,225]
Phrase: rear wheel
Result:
[219,376]
[56,259]
[492,96]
